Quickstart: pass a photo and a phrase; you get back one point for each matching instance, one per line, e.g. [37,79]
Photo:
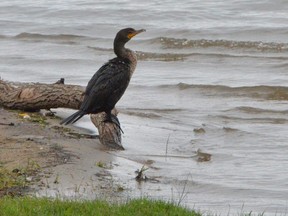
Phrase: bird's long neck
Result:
[120,50]
[127,54]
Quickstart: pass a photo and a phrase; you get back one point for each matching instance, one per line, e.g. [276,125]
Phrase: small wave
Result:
[183,56]
[152,110]
[162,56]
[42,37]
[157,110]
[253,110]
[269,120]
[3,36]
[142,114]
[168,57]
[101,49]
[262,91]
[174,43]
[149,113]
[151,56]
[230,130]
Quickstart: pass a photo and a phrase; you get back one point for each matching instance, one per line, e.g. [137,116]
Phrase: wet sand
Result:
[75,165]
[72,166]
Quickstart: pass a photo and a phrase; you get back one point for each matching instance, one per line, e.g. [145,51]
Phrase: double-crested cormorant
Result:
[109,83]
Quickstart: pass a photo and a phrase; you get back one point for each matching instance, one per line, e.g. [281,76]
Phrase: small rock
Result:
[29,179]
[199,130]
[25,116]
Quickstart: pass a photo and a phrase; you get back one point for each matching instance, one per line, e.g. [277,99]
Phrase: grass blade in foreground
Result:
[43,206]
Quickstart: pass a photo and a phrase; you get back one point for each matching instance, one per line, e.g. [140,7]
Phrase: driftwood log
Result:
[36,96]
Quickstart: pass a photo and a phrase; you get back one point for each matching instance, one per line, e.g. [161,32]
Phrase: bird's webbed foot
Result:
[113,119]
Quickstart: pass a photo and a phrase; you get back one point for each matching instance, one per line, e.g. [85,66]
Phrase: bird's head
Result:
[126,34]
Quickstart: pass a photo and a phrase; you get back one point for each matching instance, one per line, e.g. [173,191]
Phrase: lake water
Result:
[211,75]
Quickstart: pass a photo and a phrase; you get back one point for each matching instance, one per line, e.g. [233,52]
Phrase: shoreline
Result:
[68,162]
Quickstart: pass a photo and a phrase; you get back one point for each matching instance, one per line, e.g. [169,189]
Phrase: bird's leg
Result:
[113,119]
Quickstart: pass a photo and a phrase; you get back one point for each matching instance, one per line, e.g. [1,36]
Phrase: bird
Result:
[109,83]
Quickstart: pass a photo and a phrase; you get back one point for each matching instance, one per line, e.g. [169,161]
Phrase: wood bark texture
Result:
[36,96]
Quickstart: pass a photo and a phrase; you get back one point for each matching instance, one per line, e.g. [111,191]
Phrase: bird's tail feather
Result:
[73,118]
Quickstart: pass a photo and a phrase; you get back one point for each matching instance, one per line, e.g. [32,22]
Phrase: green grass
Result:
[22,206]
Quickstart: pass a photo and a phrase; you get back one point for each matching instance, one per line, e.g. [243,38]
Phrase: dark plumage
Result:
[109,83]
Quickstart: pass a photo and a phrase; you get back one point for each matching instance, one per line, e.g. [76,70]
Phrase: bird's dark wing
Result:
[106,86]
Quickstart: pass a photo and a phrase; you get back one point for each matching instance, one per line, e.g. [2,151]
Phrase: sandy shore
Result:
[71,165]
[75,165]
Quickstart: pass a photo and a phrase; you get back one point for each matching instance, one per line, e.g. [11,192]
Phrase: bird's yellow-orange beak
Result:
[131,35]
